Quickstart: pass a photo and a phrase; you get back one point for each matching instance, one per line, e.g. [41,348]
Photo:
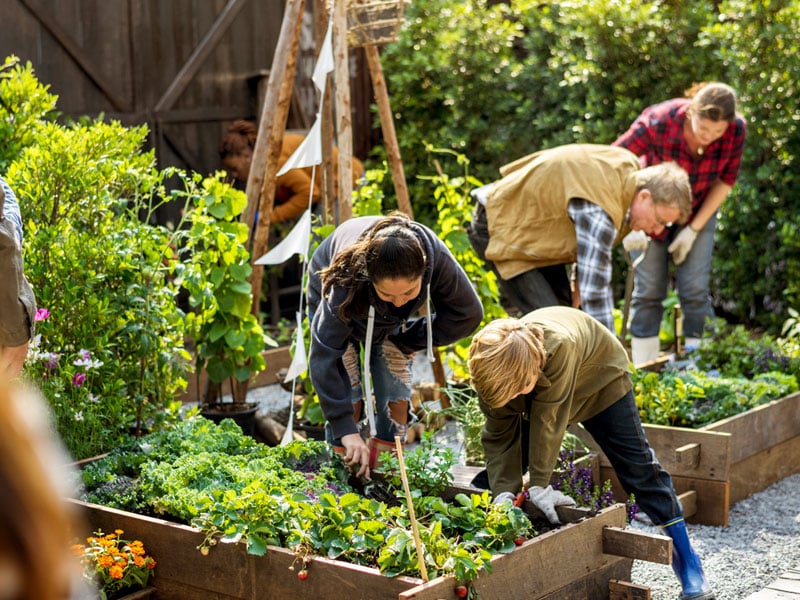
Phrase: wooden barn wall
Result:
[123,58]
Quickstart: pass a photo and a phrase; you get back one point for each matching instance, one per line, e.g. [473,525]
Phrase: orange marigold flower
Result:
[105,561]
[116,572]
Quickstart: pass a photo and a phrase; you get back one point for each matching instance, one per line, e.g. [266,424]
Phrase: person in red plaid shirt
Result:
[705,135]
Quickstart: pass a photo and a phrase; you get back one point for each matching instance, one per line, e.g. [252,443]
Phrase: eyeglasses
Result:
[660,221]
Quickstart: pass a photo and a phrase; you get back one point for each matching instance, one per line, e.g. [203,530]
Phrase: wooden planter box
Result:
[726,461]
[546,567]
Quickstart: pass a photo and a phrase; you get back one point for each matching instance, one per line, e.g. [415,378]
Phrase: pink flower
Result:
[78,379]
[41,314]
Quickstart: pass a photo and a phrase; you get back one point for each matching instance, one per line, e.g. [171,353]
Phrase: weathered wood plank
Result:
[595,585]
[761,470]
[84,60]
[712,453]
[637,545]
[624,590]
[787,587]
[689,502]
[681,451]
[762,427]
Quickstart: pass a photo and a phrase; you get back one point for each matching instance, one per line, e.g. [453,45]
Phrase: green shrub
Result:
[24,104]
[110,355]
[756,275]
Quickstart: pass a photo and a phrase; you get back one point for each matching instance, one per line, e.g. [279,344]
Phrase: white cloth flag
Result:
[325,60]
[299,363]
[298,366]
[296,242]
[308,153]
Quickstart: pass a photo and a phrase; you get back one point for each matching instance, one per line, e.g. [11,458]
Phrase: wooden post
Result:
[261,181]
[387,126]
[344,126]
[272,123]
[325,172]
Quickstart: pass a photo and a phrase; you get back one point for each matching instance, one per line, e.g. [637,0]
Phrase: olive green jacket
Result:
[587,370]
[526,210]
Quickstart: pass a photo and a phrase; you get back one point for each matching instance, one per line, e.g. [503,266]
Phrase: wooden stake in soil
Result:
[414,528]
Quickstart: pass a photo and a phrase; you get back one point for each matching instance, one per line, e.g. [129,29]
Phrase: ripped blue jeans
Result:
[391,382]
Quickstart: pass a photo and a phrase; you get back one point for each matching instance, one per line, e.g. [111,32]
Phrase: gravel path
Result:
[761,542]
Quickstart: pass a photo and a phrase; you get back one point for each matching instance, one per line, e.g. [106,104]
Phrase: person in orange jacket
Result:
[293,187]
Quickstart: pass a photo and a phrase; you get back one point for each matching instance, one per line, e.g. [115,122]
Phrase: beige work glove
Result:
[546,500]
[635,240]
[682,244]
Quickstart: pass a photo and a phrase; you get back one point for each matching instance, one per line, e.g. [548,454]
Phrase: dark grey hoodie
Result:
[456,313]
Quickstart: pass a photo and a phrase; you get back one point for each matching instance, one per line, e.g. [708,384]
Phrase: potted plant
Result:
[228,339]
[118,568]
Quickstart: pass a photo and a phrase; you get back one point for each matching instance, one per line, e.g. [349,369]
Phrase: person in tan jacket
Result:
[571,204]
[293,187]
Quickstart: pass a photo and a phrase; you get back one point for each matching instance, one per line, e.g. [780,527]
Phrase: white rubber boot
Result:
[644,349]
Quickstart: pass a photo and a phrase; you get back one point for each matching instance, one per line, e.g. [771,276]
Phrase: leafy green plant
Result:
[736,351]
[465,410]
[454,213]
[228,338]
[694,398]
[429,467]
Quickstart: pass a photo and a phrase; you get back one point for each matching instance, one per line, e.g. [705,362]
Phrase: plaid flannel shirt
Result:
[595,234]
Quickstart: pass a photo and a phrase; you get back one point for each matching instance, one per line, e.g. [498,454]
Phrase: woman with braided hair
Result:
[388,285]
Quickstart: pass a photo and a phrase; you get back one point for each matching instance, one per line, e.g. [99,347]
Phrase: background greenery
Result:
[498,80]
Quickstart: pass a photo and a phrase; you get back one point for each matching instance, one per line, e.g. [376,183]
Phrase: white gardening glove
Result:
[680,246]
[503,498]
[635,240]
[546,500]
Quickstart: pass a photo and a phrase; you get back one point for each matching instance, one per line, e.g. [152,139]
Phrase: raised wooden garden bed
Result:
[545,567]
[725,461]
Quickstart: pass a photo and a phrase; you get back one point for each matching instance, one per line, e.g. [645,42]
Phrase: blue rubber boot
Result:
[686,563]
